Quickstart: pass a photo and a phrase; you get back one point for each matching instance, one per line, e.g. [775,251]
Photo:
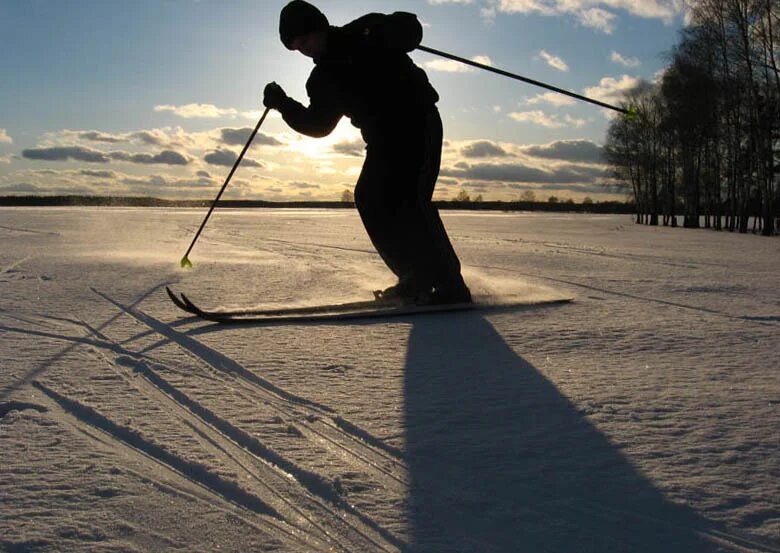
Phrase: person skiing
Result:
[363,71]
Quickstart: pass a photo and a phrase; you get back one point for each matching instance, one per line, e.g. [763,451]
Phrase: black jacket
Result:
[366,75]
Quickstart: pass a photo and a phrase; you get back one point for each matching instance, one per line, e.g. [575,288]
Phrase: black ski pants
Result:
[393,196]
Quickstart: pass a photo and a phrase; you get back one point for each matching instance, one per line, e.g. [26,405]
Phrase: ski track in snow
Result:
[641,418]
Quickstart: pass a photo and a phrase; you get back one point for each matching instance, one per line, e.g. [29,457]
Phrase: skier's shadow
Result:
[500,460]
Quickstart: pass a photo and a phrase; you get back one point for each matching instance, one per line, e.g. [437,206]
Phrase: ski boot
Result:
[406,292]
[451,293]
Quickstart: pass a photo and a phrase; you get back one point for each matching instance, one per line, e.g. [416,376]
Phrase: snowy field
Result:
[642,417]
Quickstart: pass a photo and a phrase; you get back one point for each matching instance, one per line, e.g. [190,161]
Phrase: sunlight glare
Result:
[322,148]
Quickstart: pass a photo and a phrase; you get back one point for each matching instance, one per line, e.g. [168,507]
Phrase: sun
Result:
[322,148]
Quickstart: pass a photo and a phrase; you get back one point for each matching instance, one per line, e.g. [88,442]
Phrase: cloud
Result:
[538,117]
[554,61]
[152,183]
[483,148]
[98,174]
[206,111]
[523,173]
[452,66]
[238,137]
[79,153]
[595,14]
[20,188]
[612,90]
[624,61]
[97,136]
[551,98]
[303,185]
[592,188]
[65,153]
[154,137]
[355,148]
[484,60]
[42,172]
[227,158]
[88,181]
[197,111]
[166,157]
[4,138]
[583,151]
[167,137]
[27,189]
[597,18]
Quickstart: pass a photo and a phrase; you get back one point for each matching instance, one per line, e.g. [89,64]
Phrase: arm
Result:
[319,118]
[315,121]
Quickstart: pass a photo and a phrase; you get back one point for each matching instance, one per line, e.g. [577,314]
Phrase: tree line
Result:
[587,206]
[704,141]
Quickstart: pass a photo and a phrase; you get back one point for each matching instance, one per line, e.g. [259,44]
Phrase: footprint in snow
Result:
[337,369]
[9,406]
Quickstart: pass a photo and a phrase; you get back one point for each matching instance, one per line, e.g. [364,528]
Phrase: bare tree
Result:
[708,138]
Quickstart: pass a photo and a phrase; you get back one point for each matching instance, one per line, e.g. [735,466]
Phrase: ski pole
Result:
[628,112]
[185,261]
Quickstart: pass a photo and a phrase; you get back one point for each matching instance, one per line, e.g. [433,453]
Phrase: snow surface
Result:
[642,417]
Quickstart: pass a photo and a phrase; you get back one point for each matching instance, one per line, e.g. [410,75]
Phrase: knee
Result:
[367,200]
[360,197]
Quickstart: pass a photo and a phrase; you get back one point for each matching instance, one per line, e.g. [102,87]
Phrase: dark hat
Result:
[300,18]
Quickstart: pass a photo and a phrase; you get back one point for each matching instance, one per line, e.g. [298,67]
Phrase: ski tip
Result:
[172,295]
[189,306]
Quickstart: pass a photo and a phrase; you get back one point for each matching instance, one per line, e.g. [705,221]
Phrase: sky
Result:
[157,97]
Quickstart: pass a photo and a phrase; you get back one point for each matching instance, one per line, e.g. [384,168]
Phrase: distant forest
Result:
[131,201]
[705,143]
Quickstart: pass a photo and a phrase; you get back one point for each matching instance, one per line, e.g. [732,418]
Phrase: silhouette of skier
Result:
[363,71]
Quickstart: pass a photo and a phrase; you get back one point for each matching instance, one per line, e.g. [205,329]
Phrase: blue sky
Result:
[152,97]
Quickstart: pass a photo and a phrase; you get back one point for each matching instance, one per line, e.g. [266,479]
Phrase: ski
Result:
[185,304]
[348,311]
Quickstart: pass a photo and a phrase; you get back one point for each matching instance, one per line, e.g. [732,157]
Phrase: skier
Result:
[362,71]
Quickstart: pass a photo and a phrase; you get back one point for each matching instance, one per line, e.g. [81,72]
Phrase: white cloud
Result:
[484,60]
[574,121]
[543,7]
[618,58]
[447,66]
[452,66]
[551,98]
[596,14]
[4,138]
[537,117]
[206,111]
[597,18]
[613,90]
[554,61]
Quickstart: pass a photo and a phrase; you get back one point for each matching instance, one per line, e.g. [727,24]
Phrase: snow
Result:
[641,417]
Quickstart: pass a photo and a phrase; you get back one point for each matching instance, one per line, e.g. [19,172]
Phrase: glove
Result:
[274,96]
